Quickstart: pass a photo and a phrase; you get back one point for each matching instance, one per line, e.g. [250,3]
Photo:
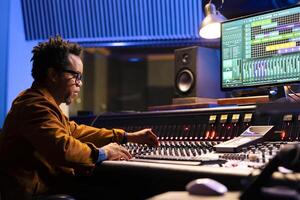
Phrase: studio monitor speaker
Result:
[197,72]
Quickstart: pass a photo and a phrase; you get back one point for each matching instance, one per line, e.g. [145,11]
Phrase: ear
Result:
[52,75]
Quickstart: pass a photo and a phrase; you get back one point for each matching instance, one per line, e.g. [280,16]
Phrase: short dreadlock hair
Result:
[52,54]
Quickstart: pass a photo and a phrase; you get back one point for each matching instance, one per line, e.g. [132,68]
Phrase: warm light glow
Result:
[282,135]
[211,25]
[211,31]
[207,134]
[213,135]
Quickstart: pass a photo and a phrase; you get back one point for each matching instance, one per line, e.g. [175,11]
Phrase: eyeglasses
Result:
[76,75]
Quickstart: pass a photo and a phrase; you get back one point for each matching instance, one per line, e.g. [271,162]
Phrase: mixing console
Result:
[190,135]
[174,150]
[202,152]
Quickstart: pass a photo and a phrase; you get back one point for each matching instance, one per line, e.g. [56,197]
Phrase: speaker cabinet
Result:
[197,72]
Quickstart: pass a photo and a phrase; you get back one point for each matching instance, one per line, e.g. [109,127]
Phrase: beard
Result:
[68,98]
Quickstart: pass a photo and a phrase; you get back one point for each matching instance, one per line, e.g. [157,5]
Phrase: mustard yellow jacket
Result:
[39,143]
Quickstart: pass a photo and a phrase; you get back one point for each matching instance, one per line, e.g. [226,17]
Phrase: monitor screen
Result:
[261,49]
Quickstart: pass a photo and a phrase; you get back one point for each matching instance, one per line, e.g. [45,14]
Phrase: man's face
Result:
[70,80]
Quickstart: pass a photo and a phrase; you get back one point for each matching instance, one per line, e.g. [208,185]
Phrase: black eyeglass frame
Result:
[76,75]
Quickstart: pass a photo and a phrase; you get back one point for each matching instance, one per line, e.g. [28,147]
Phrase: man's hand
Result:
[145,136]
[115,151]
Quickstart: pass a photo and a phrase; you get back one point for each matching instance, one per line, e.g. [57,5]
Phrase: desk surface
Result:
[179,195]
[200,169]
[150,179]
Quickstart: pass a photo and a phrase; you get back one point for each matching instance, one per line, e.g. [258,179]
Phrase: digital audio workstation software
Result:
[261,50]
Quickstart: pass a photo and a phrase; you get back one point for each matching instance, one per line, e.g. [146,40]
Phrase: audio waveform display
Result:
[262,49]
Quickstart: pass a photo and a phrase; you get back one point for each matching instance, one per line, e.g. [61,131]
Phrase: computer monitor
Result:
[261,50]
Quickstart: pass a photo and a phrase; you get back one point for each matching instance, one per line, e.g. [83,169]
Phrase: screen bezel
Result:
[221,53]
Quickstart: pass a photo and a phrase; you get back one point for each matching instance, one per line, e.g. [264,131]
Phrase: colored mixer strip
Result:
[288,50]
[275,68]
[280,46]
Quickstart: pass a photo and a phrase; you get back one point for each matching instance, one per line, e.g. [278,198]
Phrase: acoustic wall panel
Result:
[101,21]
[4,43]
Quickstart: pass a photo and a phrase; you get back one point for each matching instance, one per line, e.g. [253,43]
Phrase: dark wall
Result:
[237,8]
[127,85]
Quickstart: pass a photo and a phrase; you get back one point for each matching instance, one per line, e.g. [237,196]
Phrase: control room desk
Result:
[141,180]
[145,179]
[179,195]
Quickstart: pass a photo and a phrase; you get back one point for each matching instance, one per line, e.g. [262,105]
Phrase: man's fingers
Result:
[153,138]
[126,153]
[116,152]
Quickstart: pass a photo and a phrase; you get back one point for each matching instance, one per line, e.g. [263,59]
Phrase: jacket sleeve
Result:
[44,126]
[99,137]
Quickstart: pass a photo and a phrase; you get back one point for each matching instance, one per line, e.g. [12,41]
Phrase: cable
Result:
[96,118]
[294,93]
[295,100]
[221,6]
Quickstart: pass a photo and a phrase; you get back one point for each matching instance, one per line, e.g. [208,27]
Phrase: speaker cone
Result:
[184,81]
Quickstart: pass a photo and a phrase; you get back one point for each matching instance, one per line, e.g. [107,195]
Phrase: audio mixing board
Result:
[194,136]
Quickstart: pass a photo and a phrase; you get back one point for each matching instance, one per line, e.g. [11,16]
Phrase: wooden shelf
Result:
[197,102]
[243,100]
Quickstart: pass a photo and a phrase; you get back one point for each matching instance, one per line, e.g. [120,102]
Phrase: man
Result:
[39,147]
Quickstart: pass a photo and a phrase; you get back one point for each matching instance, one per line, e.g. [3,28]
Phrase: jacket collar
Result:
[43,89]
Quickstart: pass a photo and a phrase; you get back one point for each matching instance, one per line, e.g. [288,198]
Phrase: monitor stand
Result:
[249,92]
[258,96]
